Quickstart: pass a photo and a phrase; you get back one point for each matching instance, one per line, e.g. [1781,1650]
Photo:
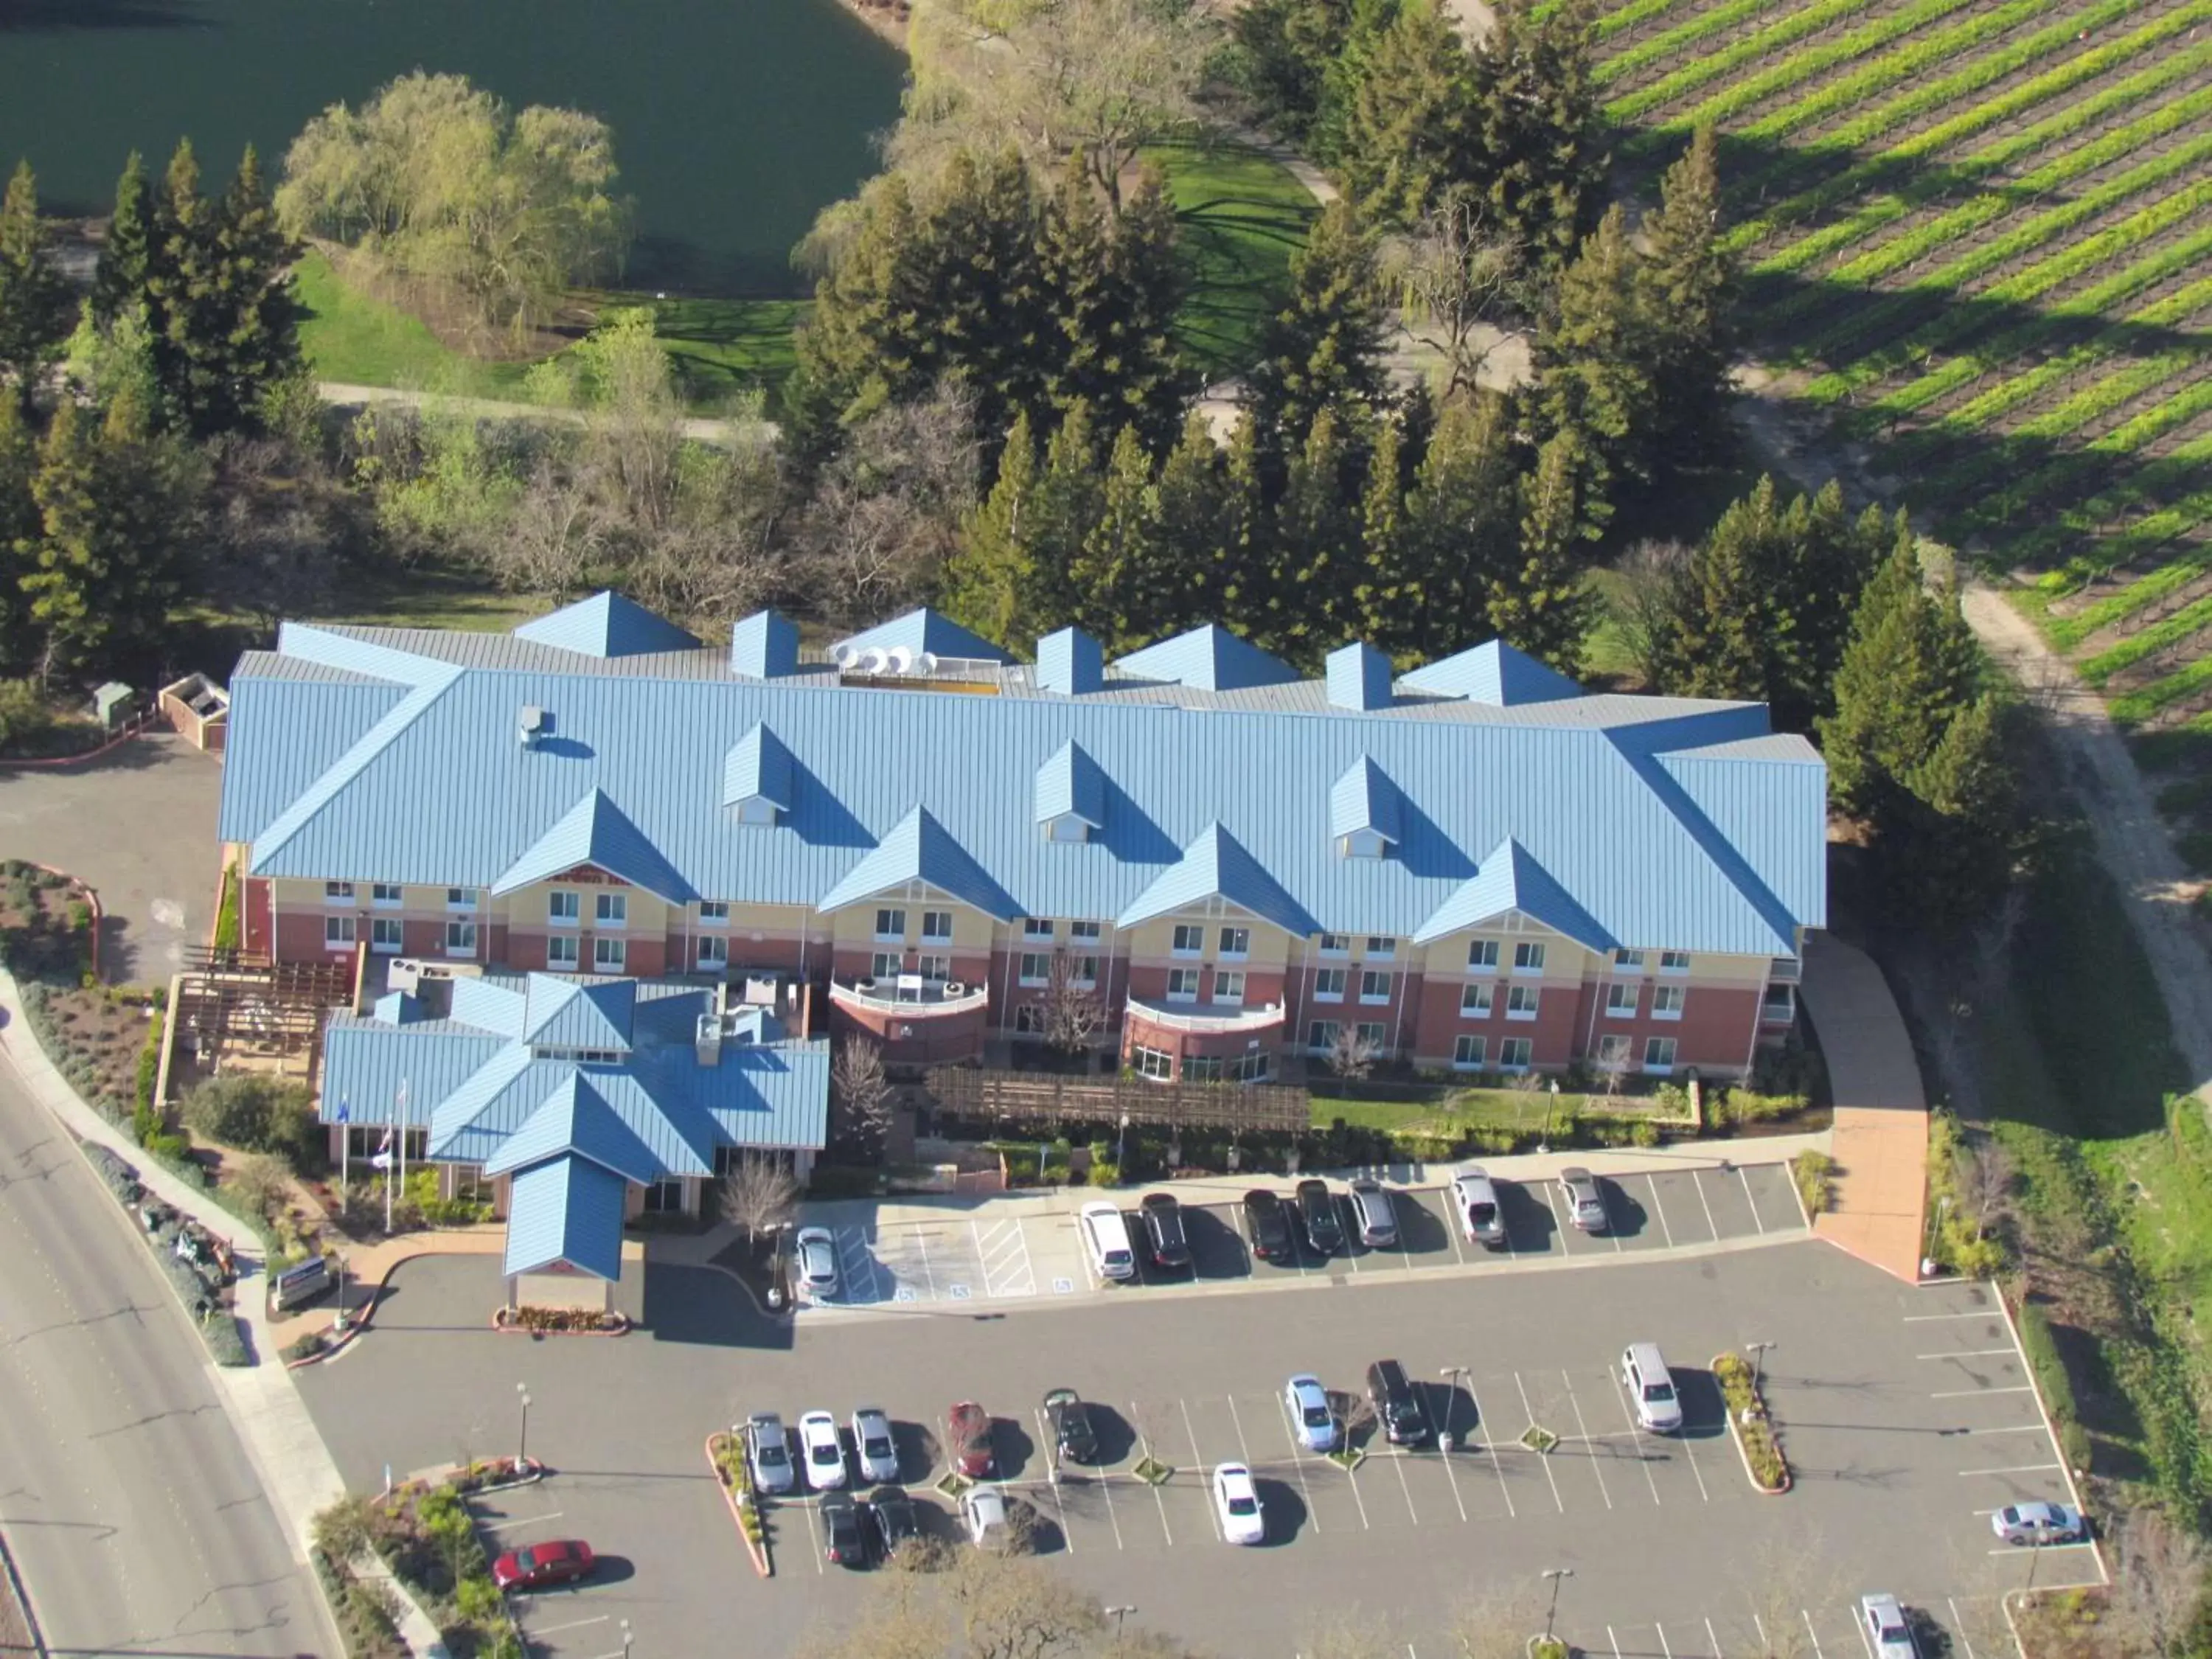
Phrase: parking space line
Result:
[517,1521]
[1620,1394]
[545,1631]
[2006,1428]
[1398,1463]
[1482,1421]
[1751,1198]
[1968,1394]
[1298,1458]
[1590,1445]
[1810,1631]
[1698,1180]
[1452,1226]
[1158,1501]
[1452,1475]
[2017,1469]
[1759,1626]
[1614,1642]
[1543,1460]
[2013,1550]
[1667,1651]
[1558,1223]
[1658,1209]
[1714,1637]
[1690,1458]
[921,1243]
[814,1538]
[1958,1625]
[1930,1319]
[1966,1353]
[1198,1462]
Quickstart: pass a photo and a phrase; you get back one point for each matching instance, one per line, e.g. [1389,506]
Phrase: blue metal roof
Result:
[1358,677]
[1492,673]
[566,1212]
[607,625]
[595,831]
[763,646]
[1720,850]
[1210,657]
[574,1118]
[569,1014]
[759,768]
[1364,800]
[924,630]
[1070,785]
[1216,867]
[1509,880]
[920,849]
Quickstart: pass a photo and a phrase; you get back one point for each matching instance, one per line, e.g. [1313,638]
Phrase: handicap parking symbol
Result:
[1063,1287]
[960,1293]
[904,1293]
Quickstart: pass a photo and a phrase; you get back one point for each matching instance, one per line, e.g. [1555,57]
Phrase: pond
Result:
[735,121]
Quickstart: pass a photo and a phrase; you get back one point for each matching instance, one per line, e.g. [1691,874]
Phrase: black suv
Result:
[1268,1226]
[1404,1422]
[1163,1236]
[1317,1210]
[891,1512]
[1071,1431]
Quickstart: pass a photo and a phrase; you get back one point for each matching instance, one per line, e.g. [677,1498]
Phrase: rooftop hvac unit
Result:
[900,659]
[844,656]
[926,662]
[874,660]
[530,723]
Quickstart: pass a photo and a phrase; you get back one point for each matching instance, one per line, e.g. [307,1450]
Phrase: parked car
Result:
[767,1454]
[817,1263]
[967,1437]
[1397,1404]
[1072,1435]
[1307,1401]
[1474,1198]
[1585,1203]
[1317,1213]
[873,1446]
[2040,1523]
[1236,1505]
[842,1541]
[1267,1226]
[984,1509]
[541,1567]
[825,1454]
[1650,1388]
[1887,1631]
[892,1517]
[1371,1209]
[1164,1239]
[1106,1236]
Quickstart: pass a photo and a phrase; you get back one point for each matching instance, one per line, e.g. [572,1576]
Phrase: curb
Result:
[138,729]
[92,903]
[1743,1456]
[758,1551]
[505,1328]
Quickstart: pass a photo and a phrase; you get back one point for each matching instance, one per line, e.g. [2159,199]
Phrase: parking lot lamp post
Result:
[1554,1574]
[1758,1351]
[1117,1614]
[1121,1145]
[625,1636]
[522,1445]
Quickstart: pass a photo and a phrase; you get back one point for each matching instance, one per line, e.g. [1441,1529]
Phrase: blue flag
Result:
[345,1110]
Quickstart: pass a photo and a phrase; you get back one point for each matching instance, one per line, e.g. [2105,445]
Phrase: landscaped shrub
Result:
[2041,1348]
[1104,1174]
[228,933]
[258,1114]
[1814,1174]
[842,1180]
[1748,1416]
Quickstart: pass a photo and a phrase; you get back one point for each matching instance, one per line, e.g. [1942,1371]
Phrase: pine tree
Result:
[1405,133]
[1189,511]
[1069,499]
[1120,561]
[35,309]
[1386,597]
[120,281]
[1324,347]
[1536,147]
[1290,45]
[1682,281]
[987,576]
[1310,606]
[19,537]
[1366,23]
[1460,527]
[1592,373]
[1542,606]
[1112,284]
[254,259]
[1245,570]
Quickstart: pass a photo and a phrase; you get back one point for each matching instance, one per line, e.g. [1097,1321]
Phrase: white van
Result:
[1650,1388]
[1106,1236]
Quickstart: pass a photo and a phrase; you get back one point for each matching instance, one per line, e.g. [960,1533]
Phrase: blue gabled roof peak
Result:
[1211,658]
[923,630]
[607,625]
[1494,673]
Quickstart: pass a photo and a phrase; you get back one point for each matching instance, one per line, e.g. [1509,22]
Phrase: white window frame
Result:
[1482,955]
[1468,1050]
[563,951]
[1667,1001]
[1328,984]
[1188,940]
[1035,927]
[1528,957]
[1335,944]
[1036,968]
[1659,1053]
[713,913]
[1380,948]
[460,939]
[714,951]
[461,900]
[1522,1001]
[937,966]
[555,917]
[1236,943]
[1616,1050]
[1084,974]
[1510,1046]
[1674,962]
[1615,1008]
[884,964]
[1229,986]
[1478,999]
[1368,994]
[1204,1068]
[1623,958]
[610,954]
[337,892]
[339,933]
[890,926]
[934,935]
[1320,1035]
[1374,1032]
[1250,1066]
[382,945]
[386,895]
[1084,933]
[1155,1063]
[1182,984]
[610,910]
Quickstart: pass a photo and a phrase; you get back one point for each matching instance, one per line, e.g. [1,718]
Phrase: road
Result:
[136,1519]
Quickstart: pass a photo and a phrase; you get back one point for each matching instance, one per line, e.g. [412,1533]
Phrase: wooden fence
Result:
[1040,1098]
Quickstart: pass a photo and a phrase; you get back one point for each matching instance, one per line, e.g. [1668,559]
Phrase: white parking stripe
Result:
[1959,1626]
[1698,1180]
[1158,1501]
[1713,1636]
[1590,1445]
[1663,1648]
[1398,1463]
[1659,1210]
[543,1631]
[1966,1353]
[814,1538]
[1751,1198]
[1968,1394]
[517,1521]
[921,1242]
[2018,1468]
[1810,1631]
[1620,1394]
[1106,1491]
[2014,1549]
[1543,1460]
[1452,1475]
[1490,1443]
[1930,1319]
[2006,1428]
[1690,1458]
[1613,1640]
[1759,1626]
[1198,1462]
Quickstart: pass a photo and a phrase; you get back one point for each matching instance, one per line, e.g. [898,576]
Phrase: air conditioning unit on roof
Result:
[900,658]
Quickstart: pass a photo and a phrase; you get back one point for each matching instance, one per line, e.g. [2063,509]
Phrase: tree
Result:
[1074,1012]
[20,528]
[1456,278]
[1113,284]
[1461,528]
[1985,1177]
[119,280]
[2158,1593]
[1592,371]
[988,579]
[1324,346]
[1644,600]
[1542,606]
[859,1099]
[183,302]
[1353,1054]
[252,266]
[1536,146]
[1683,279]
[1189,515]
[1121,555]
[1311,604]
[34,298]
[759,1194]
[1289,46]
[1012,1607]
[1406,125]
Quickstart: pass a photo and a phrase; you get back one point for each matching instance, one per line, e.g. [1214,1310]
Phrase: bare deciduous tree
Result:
[2160,1583]
[1011,1607]
[1985,1177]
[1784,1581]
[860,1097]
[1496,1624]
[1643,599]
[1074,1012]
[886,513]
[759,1194]
[1456,283]
[1353,1053]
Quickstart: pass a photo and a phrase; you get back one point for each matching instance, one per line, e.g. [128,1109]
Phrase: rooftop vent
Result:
[531,724]
[1069,662]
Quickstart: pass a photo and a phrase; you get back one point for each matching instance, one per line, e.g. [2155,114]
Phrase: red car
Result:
[968,1433]
[561,1561]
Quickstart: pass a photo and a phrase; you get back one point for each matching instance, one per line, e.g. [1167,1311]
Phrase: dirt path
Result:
[2131,842]
[697,429]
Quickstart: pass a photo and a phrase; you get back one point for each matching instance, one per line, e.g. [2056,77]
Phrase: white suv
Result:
[1650,1388]
[1887,1631]
[1106,1236]
[1475,1195]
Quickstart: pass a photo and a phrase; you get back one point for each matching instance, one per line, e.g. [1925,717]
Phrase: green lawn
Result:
[1244,215]
[1456,1110]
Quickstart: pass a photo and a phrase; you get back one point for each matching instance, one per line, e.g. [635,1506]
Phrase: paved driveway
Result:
[138,823]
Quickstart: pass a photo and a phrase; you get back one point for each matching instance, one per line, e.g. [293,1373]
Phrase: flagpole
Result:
[345,1154]
[402,1135]
[390,1129]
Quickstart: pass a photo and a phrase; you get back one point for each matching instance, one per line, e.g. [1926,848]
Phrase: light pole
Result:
[1117,1614]
[625,1636]
[1550,1111]
[1555,1574]
[522,1445]
[1758,1352]
[1456,1376]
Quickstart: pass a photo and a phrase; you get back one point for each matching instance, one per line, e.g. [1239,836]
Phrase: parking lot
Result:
[896,1255]
[1907,1414]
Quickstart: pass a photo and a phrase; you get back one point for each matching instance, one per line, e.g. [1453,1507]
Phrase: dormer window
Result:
[1364,844]
[757,778]
[1066,828]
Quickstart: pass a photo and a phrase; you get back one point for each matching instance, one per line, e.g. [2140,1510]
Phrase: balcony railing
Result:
[910,995]
[1784,970]
[1224,1020]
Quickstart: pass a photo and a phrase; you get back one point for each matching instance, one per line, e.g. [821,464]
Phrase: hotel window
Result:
[936,927]
[612,909]
[714,951]
[1037,967]
[713,913]
[1182,985]
[1082,930]
[1236,942]
[1667,1001]
[1529,958]
[1612,1052]
[460,898]
[610,956]
[1374,987]
[664,1197]
[1482,956]
[562,909]
[1380,948]
[1228,987]
[337,932]
[1036,927]
[1152,1062]
[1513,1054]
[1328,985]
[1083,972]
[1466,1054]
[1521,1001]
[337,892]
[1201,1068]
[460,939]
[1029,1019]
[385,936]
[386,894]
[1189,939]
[939,968]
[884,964]
[1674,962]
[1376,1036]
[1249,1068]
[1335,944]
[1659,1054]
[891,924]
[560,950]
[1475,1001]
[1628,959]
[1620,998]
[1320,1035]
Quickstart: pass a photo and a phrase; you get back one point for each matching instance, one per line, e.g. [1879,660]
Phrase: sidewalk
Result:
[280,1437]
